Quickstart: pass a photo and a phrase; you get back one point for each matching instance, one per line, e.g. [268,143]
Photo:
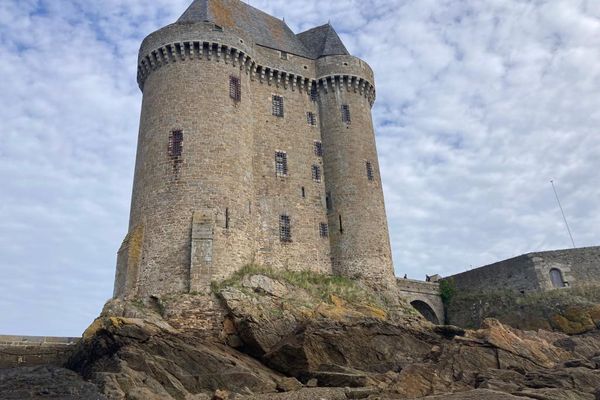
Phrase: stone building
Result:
[535,272]
[256,145]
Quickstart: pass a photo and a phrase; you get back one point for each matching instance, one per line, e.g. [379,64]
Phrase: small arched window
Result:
[557,278]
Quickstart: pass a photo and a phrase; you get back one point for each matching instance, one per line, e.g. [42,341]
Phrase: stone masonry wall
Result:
[217,207]
[531,272]
[28,351]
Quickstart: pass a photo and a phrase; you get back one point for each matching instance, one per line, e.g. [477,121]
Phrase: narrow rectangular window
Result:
[314,93]
[316,173]
[175,144]
[318,148]
[370,174]
[281,166]
[328,201]
[227,218]
[346,113]
[303,192]
[341,226]
[323,230]
[277,106]
[311,118]
[235,88]
[285,228]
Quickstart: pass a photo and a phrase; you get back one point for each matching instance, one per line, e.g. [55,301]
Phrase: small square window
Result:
[316,173]
[318,148]
[346,114]
[235,88]
[281,165]
[323,230]
[311,118]
[370,174]
[175,144]
[283,55]
[278,106]
[285,228]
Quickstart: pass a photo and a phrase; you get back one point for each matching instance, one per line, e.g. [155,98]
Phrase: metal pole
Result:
[563,213]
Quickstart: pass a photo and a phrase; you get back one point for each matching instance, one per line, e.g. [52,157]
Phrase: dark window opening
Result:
[285,228]
[314,93]
[283,55]
[176,144]
[341,225]
[323,230]
[557,278]
[346,114]
[278,106]
[318,148]
[281,166]
[311,118]
[328,201]
[370,174]
[235,88]
[227,218]
[316,173]
[303,192]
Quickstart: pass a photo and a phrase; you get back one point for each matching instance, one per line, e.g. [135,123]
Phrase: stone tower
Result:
[256,145]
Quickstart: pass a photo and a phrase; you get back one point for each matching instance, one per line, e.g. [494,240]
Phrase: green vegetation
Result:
[319,286]
[447,290]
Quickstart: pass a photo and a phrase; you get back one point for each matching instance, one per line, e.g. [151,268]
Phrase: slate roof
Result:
[323,41]
[264,29]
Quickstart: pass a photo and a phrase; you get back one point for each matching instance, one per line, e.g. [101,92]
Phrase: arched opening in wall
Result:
[556,277]
[425,310]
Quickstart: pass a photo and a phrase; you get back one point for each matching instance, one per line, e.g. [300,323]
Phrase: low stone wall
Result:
[27,351]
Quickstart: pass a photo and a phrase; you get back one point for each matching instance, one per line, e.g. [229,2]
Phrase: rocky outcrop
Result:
[289,341]
[45,382]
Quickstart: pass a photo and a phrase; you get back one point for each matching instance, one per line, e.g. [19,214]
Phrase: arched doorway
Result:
[425,310]
[556,277]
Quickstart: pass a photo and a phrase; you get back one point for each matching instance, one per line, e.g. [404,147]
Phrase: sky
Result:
[480,103]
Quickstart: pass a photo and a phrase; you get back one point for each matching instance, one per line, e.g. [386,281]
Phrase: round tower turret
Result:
[193,186]
[360,243]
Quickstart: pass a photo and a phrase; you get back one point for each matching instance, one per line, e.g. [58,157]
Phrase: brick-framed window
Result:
[323,230]
[176,144]
[346,114]
[314,93]
[285,228]
[281,164]
[277,106]
[316,173]
[311,118]
[235,88]
[370,173]
[318,148]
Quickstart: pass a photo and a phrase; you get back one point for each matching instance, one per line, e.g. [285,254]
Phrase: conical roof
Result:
[323,41]
[248,21]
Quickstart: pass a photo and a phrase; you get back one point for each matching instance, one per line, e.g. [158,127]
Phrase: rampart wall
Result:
[28,351]
[532,272]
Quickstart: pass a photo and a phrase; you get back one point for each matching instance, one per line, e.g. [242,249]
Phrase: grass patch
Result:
[319,286]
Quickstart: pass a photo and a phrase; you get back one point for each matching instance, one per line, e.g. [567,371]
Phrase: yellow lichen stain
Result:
[221,14]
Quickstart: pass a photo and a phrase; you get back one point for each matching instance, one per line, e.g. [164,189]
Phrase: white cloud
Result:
[480,104]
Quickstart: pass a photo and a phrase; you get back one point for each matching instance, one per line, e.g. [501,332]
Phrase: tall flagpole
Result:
[563,213]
